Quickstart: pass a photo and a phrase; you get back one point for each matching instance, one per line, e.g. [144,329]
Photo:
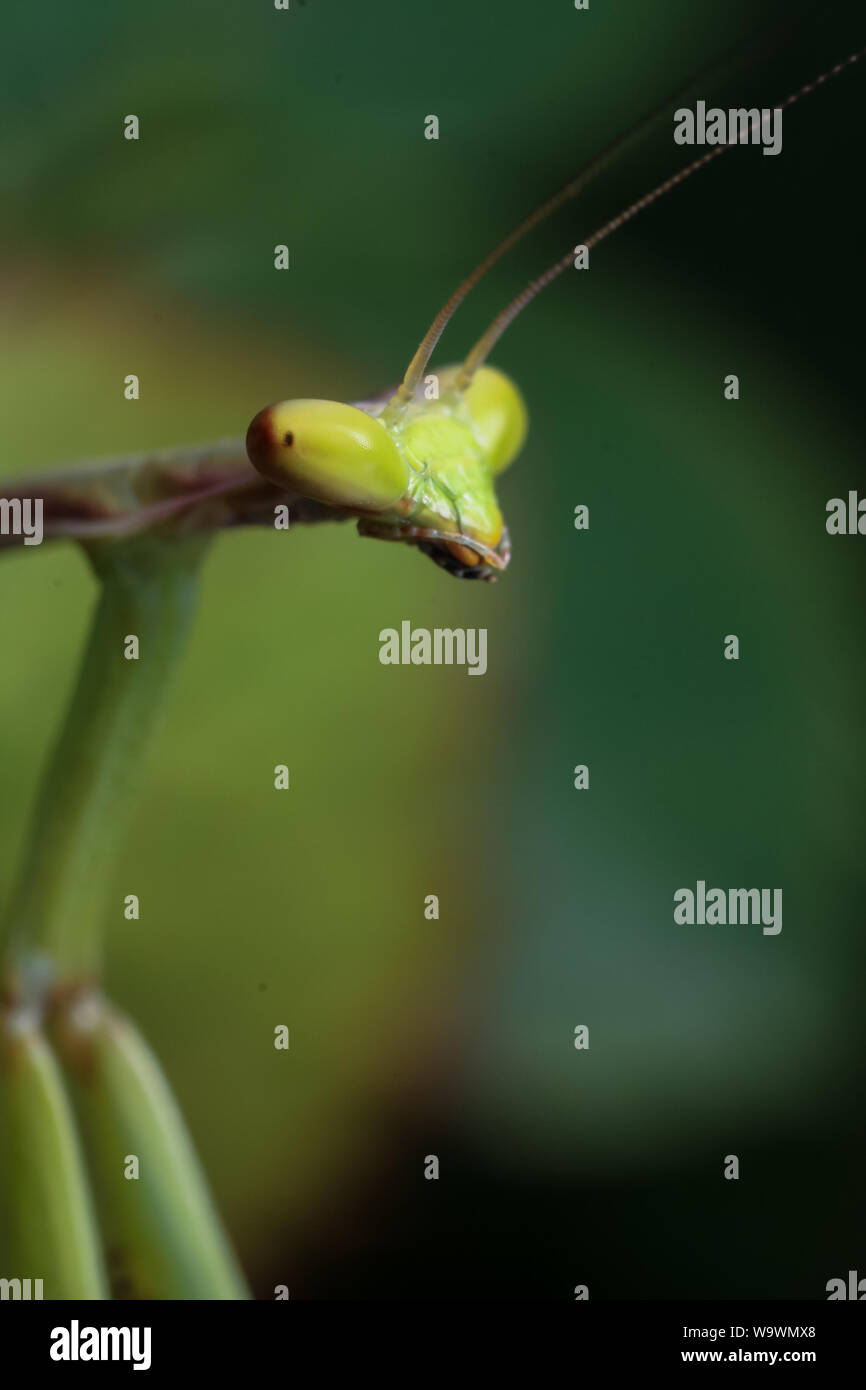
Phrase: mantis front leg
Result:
[148,592]
[162,1227]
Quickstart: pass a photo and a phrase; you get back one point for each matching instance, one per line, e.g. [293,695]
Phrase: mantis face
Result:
[420,472]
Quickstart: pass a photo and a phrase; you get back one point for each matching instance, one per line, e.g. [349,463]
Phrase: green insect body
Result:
[421,471]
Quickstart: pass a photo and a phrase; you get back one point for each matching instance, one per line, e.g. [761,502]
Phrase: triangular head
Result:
[420,471]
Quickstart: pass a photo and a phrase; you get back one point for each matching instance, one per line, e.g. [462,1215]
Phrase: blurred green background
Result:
[454,1037]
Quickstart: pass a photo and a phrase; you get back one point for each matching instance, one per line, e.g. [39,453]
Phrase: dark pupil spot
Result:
[289,439]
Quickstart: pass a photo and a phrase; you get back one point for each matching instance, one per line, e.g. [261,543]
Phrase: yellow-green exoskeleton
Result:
[422,471]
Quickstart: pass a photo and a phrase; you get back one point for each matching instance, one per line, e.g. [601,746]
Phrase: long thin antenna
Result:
[583,176]
[491,337]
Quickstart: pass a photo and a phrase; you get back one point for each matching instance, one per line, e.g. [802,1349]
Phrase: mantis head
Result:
[420,471]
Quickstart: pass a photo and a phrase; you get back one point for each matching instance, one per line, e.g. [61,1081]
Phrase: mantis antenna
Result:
[584,175]
[491,337]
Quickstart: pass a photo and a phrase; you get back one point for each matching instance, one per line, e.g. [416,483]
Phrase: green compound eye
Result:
[499,416]
[329,451]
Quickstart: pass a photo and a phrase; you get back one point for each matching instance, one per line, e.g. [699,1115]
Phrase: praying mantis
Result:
[420,465]
[417,465]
